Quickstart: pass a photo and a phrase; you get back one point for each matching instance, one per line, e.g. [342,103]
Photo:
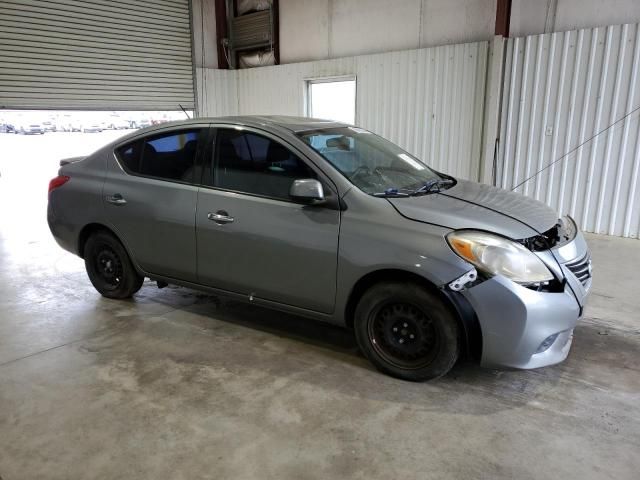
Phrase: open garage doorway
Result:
[33,143]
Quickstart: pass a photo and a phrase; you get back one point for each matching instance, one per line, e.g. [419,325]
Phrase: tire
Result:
[109,267]
[407,331]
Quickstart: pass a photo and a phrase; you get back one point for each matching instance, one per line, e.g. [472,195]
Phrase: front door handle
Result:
[221,217]
[116,199]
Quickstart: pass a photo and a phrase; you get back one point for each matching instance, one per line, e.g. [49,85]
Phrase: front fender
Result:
[379,240]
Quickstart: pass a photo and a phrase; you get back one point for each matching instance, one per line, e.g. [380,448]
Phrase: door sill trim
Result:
[261,302]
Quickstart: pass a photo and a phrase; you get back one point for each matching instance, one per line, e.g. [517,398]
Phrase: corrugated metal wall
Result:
[217,92]
[429,101]
[560,90]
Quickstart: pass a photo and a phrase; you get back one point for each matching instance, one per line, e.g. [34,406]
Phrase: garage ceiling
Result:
[98,54]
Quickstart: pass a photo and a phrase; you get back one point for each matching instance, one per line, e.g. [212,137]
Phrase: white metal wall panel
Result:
[97,54]
[220,98]
[561,90]
[429,101]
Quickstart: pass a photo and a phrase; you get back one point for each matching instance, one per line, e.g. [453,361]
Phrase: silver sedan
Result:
[334,223]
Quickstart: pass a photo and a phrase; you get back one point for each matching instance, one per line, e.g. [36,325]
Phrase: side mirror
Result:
[307,190]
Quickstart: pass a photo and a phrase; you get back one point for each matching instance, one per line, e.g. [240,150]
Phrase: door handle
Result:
[116,199]
[221,217]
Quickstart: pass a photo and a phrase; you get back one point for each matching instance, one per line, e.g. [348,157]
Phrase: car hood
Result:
[475,205]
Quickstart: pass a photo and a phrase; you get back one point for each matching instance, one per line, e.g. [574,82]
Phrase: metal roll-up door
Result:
[97,54]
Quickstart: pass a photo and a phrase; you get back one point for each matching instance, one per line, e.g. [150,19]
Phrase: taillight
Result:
[58,182]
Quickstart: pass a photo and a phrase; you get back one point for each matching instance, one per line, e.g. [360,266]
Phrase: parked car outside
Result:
[69,123]
[76,124]
[30,127]
[49,126]
[63,123]
[91,126]
[139,122]
[117,123]
[159,120]
[331,222]
[6,127]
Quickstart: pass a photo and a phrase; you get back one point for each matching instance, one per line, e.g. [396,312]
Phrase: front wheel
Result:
[109,267]
[407,331]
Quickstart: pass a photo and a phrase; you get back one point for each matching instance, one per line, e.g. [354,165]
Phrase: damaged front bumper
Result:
[526,328]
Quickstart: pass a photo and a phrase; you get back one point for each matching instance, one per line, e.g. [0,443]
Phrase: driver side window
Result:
[251,163]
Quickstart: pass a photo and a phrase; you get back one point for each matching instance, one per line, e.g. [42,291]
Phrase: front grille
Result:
[581,268]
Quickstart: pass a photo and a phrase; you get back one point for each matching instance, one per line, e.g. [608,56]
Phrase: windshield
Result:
[373,164]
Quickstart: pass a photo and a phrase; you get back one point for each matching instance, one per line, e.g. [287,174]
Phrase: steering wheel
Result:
[361,170]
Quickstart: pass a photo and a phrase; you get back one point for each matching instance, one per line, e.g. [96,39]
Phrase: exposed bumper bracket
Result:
[460,283]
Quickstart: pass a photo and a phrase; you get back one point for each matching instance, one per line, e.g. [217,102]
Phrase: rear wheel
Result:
[407,331]
[109,267]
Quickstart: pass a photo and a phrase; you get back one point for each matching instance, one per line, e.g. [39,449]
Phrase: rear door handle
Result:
[116,199]
[221,217]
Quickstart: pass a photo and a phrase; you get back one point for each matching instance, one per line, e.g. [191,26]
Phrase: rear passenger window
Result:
[169,156]
[251,163]
[129,156]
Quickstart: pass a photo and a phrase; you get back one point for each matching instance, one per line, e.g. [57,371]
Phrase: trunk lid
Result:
[67,161]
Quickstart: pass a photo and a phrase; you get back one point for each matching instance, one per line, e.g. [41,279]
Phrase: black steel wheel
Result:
[403,335]
[407,331]
[109,267]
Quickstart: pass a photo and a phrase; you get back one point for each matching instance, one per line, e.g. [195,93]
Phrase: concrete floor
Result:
[176,384]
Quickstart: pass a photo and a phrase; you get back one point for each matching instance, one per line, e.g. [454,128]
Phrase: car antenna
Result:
[577,147]
[185,112]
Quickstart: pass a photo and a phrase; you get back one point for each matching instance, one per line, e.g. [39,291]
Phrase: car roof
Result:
[294,124]
[266,122]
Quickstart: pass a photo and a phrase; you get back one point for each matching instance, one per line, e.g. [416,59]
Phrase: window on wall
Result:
[332,99]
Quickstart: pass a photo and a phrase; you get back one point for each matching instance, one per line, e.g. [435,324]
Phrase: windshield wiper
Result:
[432,186]
[391,192]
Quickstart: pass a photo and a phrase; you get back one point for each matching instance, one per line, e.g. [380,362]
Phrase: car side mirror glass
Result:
[307,190]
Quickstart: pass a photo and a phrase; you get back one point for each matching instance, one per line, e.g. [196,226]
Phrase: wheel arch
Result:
[460,307]
[91,228]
